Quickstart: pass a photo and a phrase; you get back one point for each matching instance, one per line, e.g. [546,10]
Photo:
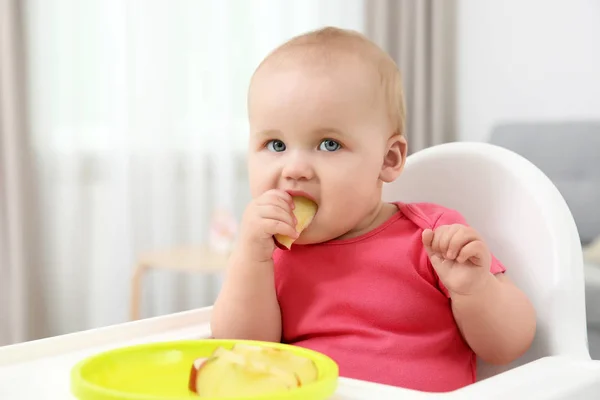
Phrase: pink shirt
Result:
[375,305]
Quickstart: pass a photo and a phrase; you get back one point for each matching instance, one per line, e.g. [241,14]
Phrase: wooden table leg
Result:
[136,291]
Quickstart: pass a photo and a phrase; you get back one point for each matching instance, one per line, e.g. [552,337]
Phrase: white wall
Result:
[526,60]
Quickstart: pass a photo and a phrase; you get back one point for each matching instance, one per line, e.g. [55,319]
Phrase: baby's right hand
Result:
[267,215]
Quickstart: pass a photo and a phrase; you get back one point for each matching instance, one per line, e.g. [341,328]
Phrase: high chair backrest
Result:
[526,224]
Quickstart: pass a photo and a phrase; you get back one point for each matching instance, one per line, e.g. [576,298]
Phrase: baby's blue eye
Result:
[276,146]
[329,145]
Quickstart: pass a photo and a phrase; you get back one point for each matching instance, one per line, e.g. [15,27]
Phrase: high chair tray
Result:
[40,369]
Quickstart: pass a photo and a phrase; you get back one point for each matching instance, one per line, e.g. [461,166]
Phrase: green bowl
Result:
[160,371]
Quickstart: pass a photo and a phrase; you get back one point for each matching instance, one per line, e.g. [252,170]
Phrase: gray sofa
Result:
[569,154]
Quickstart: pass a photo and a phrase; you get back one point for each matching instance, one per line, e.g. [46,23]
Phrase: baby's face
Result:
[323,131]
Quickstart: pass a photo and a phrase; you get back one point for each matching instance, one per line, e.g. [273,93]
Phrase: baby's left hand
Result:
[459,256]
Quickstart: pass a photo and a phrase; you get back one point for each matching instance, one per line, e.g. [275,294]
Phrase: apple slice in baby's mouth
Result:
[304,210]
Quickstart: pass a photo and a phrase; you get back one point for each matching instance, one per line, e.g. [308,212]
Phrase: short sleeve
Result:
[449,217]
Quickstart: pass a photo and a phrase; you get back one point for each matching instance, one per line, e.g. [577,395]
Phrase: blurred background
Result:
[123,131]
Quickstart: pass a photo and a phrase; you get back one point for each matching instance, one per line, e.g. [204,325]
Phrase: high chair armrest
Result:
[193,324]
[548,378]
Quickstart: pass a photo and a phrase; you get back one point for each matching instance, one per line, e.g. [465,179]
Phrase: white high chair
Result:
[526,224]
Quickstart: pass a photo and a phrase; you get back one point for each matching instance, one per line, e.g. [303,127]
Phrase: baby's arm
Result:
[496,318]
[497,321]
[247,306]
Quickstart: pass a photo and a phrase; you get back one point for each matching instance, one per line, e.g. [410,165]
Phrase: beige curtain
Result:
[15,228]
[420,36]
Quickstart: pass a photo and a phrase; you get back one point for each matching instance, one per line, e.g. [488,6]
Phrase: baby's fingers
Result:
[474,250]
[427,238]
[277,197]
[277,213]
[446,236]
[276,227]
[461,238]
[282,204]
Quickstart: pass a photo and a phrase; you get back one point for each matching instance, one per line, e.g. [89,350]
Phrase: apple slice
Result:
[244,348]
[199,361]
[232,375]
[303,368]
[196,366]
[304,210]
[220,351]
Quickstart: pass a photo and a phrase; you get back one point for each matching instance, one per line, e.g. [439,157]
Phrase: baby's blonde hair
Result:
[329,41]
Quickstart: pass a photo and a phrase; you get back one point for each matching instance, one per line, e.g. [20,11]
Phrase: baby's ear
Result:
[394,158]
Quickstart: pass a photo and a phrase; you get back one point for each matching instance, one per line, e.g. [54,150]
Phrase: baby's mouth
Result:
[300,193]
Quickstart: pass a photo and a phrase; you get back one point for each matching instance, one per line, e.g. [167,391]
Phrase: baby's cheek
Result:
[261,180]
[257,187]
[343,202]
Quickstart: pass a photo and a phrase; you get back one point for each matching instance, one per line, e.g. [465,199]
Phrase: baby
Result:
[400,294]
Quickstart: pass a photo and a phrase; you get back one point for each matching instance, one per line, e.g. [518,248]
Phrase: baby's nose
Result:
[298,169]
